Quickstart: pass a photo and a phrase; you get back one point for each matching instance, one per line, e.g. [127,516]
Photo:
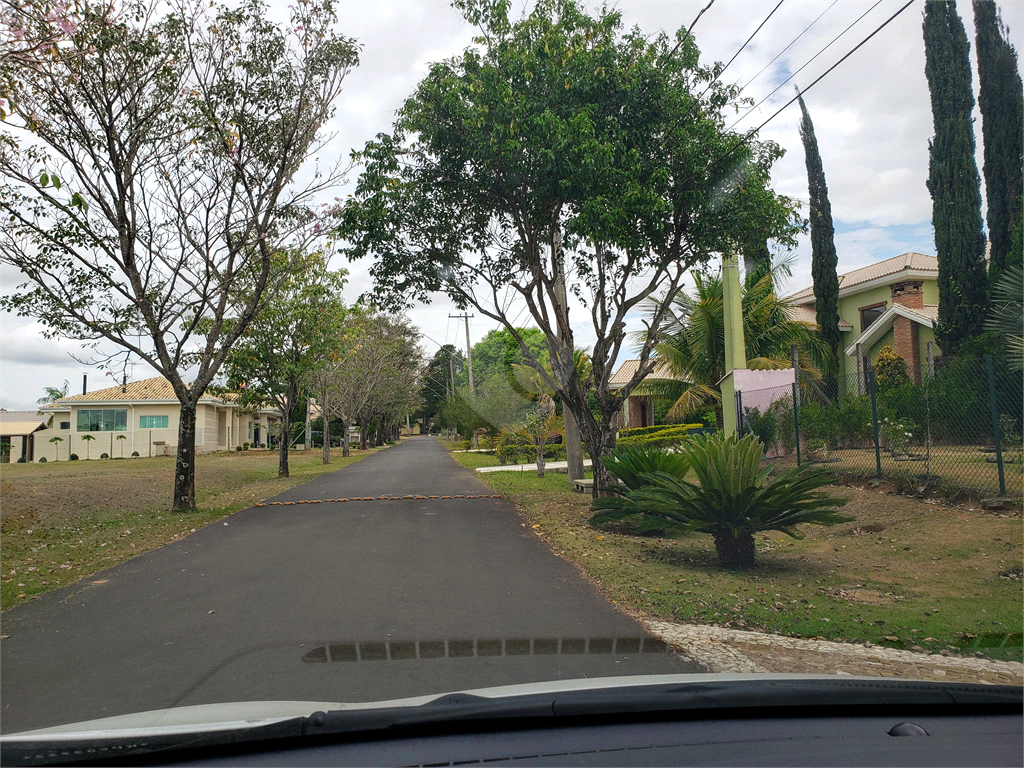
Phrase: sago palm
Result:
[693,342]
[732,499]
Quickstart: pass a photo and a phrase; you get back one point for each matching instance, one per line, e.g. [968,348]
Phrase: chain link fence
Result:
[954,429]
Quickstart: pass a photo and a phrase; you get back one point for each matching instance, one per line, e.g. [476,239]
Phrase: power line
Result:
[751,133]
[806,30]
[762,101]
[715,78]
[690,28]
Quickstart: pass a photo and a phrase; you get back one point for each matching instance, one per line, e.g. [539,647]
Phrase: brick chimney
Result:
[910,295]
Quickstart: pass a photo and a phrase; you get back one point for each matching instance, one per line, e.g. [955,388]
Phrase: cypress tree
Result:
[1001,99]
[823,247]
[953,179]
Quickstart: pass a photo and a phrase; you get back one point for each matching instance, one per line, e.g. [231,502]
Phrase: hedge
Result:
[661,438]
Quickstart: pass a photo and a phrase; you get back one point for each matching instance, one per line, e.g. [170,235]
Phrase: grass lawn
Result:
[906,574]
[65,520]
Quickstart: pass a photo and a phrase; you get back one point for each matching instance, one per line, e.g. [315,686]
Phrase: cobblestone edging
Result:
[733,650]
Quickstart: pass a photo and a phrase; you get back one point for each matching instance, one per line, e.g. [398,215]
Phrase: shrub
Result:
[245,446]
[135,454]
[632,466]
[238,448]
[104,456]
[732,499]
[73,457]
[636,431]
[890,369]
[42,459]
[22,460]
[664,438]
[765,426]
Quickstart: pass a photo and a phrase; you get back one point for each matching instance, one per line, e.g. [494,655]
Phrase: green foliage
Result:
[824,260]
[492,353]
[53,394]
[638,431]
[694,342]
[535,434]
[732,498]
[1001,101]
[664,438]
[846,424]
[953,179]
[763,425]
[890,369]
[633,465]
[1007,316]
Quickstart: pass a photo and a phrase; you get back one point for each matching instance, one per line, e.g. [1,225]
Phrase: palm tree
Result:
[53,394]
[119,439]
[693,345]
[56,447]
[88,439]
[535,433]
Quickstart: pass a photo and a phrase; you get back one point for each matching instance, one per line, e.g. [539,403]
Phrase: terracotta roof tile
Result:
[156,388]
[805,314]
[625,372]
[21,427]
[905,261]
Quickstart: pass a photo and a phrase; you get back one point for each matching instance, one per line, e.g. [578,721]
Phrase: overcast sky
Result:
[872,117]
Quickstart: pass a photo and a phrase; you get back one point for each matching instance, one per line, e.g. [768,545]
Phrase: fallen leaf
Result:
[209,612]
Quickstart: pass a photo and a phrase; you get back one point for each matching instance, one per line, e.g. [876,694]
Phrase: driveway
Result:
[351,601]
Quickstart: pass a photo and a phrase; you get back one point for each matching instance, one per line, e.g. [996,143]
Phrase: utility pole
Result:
[469,362]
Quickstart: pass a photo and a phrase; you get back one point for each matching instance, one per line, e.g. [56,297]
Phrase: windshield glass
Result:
[430,348]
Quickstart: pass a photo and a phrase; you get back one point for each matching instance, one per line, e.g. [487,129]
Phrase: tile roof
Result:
[625,372]
[802,313]
[21,427]
[156,388]
[6,416]
[911,261]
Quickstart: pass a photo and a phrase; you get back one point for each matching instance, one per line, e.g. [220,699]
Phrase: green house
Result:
[892,302]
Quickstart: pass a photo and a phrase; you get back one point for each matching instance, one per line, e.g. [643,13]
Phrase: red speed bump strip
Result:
[368,498]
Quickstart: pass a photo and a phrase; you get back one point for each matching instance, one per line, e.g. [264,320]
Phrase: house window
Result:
[65,425]
[152,422]
[106,420]
[868,315]
[250,431]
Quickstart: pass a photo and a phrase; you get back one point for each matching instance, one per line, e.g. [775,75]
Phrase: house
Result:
[18,430]
[141,419]
[892,302]
[639,409]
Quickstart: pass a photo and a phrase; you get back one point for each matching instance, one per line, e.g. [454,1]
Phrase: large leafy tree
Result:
[693,342]
[1001,99]
[824,260]
[490,354]
[287,339]
[562,154]
[146,173]
[953,179]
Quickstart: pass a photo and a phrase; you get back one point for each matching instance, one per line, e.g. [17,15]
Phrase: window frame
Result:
[93,423]
[861,310]
[163,425]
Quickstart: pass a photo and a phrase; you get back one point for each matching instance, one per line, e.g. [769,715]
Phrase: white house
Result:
[141,419]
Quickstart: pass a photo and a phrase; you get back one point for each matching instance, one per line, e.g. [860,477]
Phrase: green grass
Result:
[905,574]
[64,521]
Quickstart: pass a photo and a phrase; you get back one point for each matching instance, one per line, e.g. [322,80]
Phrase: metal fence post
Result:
[873,389]
[738,398]
[796,423]
[995,422]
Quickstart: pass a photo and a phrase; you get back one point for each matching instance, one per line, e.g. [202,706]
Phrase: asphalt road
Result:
[360,601]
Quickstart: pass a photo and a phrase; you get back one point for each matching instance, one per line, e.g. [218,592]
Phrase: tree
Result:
[953,179]
[88,439]
[286,339]
[693,343]
[824,260]
[489,354]
[53,394]
[120,440]
[56,446]
[156,173]
[1007,316]
[1001,99]
[560,155]
[440,382]
[535,432]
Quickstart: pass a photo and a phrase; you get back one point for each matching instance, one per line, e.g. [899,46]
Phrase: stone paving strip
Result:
[367,498]
[734,650]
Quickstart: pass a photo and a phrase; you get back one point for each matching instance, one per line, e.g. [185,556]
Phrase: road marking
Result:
[369,498]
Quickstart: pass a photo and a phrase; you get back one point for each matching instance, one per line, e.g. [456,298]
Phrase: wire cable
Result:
[806,30]
[776,89]
[690,29]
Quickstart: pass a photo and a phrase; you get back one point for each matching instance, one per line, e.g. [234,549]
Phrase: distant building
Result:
[18,430]
[145,414]
[892,302]
[638,410]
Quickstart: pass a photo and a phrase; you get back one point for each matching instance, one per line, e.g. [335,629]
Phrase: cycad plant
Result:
[693,342]
[633,467]
[732,499]
[535,432]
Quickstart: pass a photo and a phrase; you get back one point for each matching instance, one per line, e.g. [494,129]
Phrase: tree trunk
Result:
[735,552]
[362,437]
[344,438]
[573,445]
[326,436]
[286,432]
[601,441]
[540,459]
[184,465]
